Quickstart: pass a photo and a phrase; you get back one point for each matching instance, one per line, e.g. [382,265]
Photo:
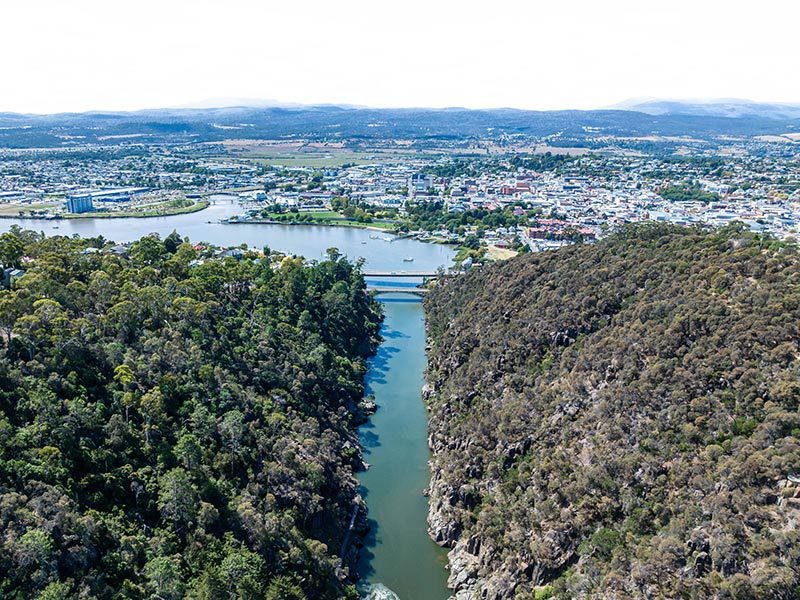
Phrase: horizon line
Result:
[627,105]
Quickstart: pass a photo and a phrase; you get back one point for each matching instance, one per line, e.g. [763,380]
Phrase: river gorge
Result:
[398,558]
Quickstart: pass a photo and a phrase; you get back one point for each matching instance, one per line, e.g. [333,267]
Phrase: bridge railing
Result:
[428,274]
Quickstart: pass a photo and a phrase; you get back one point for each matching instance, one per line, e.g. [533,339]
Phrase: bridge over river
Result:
[422,274]
[385,287]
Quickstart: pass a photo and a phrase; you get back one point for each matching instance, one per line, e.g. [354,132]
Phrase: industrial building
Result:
[80,203]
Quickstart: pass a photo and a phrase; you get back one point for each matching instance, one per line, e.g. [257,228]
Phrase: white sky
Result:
[73,55]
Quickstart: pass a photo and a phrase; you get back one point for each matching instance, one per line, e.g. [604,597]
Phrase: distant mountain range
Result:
[569,127]
[252,103]
[731,108]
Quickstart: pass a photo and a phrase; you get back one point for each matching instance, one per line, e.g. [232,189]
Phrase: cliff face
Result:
[620,420]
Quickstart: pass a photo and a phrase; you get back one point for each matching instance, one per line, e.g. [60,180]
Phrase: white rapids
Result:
[378,591]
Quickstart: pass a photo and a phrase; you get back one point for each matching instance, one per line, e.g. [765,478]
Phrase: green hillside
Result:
[620,420]
[175,424]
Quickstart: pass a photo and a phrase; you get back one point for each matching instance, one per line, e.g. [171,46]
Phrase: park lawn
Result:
[312,160]
[152,211]
[387,225]
[15,210]
[315,214]
[323,214]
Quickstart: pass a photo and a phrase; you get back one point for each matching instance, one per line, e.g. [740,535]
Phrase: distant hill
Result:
[182,125]
[731,108]
[620,420]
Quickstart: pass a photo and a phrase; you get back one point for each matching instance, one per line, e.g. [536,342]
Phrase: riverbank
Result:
[148,214]
[310,241]
[170,212]
[383,227]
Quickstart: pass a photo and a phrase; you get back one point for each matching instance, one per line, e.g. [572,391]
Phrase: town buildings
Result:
[552,201]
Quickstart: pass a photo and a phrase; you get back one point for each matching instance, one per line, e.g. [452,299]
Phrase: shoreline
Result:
[204,204]
[200,206]
[311,224]
[398,235]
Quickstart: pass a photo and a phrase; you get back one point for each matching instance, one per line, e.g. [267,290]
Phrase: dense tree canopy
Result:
[620,420]
[688,193]
[177,424]
[433,215]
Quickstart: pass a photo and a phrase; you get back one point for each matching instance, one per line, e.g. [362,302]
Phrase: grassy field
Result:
[313,157]
[151,211]
[315,160]
[323,214]
[496,253]
[310,159]
[15,210]
[388,226]
[327,217]
[315,214]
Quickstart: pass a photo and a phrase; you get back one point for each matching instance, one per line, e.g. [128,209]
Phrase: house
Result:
[10,275]
[233,253]
[119,250]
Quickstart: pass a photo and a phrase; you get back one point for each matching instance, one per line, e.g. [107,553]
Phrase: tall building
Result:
[80,203]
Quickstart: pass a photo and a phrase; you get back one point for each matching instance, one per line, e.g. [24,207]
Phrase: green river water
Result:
[399,555]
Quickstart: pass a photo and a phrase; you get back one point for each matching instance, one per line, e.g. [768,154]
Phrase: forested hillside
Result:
[339,122]
[620,420]
[177,424]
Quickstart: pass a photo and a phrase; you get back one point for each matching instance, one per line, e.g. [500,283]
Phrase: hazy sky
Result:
[71,55]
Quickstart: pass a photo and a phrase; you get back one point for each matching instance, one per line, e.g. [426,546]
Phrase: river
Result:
[398,556]
[310,241]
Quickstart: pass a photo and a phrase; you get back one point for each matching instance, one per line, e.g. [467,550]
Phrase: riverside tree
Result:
[176,424]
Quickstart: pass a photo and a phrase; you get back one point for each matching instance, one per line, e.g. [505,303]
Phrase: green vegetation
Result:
[31,210]
[12,248]
[314,218]
[430,216]
[178,425]
[318,159]
[542,162]
[620,419]
[688,193]
[458,167]
[475,166]
[345,213]
[178,206]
